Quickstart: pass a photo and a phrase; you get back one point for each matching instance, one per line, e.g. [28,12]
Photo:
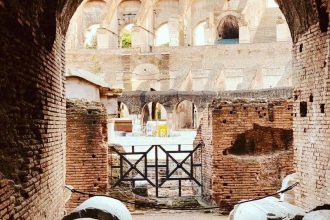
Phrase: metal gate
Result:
[157,165]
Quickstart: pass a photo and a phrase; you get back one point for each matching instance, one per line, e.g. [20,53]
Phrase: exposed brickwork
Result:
[32,109]
[136,100]
[229,178]
[87,150]
[311,133]
[32,105]
[32,118]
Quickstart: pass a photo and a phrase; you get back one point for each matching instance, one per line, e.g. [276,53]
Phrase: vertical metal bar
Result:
[201,147]
[179,147]
[192,164]
[133,149]
[146,165]
[167,166]
[180,192]
[193,115]
[121,166]
[156,167]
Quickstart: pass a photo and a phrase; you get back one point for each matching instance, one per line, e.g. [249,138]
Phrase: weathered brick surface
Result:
[32,110]
[32,122]
[229,178]
[312,133]
[87,150]
[32,105]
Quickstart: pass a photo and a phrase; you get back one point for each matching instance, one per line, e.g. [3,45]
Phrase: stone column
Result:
[136,37]
[210,35]
[188,29]
[142,38]
[102,38]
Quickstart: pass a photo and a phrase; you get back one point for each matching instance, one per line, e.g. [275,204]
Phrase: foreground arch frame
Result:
[33,102]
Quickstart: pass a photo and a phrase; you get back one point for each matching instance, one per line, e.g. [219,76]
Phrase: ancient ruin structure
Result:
[171,43]
[37,155]
[249,148]
[88,121]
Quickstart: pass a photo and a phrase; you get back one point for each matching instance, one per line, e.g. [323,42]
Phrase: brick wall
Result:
[87,150]
[311,131]
[32,104]
[32,117]
[231,176]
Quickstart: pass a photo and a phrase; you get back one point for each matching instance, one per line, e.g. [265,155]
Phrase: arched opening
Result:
[228,30]
[90,41]
[127,11]
[164,10]
[91,12]
[81,24]
[185,115]
[154,111]
[126,36]
[199,34]
[145,77]
[162,36]
[154,115]
[34,105]
[123,111]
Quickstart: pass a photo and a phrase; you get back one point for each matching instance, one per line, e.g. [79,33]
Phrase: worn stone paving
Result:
[178,215]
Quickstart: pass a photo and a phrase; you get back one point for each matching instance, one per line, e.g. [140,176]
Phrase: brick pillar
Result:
[87,151]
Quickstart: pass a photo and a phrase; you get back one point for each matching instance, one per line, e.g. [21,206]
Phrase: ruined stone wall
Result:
[248,149]
[211,68]
[311,121]
[87,150]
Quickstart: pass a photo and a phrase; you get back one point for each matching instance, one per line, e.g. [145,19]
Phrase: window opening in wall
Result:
[91,37]
[311,98]
[322,108]
[199,34]
[185,115]
[303,109]
[123,111]
[228,30]
[162,37]
[126,36]
[323,15]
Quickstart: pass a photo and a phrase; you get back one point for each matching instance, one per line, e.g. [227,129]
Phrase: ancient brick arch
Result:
[169,99]
[32,104]
[135,100]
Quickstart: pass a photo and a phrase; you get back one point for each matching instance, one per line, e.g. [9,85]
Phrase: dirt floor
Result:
[178,216]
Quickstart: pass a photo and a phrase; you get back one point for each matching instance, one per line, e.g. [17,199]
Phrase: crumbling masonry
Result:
[33,118]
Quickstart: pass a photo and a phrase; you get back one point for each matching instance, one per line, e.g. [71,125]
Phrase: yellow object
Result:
[162,131]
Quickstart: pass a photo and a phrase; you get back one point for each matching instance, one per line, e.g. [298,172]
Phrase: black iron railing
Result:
[158,164]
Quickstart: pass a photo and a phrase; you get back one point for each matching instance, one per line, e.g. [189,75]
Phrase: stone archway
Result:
[228,29]
[185,115]
[32,103]
[145,77]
